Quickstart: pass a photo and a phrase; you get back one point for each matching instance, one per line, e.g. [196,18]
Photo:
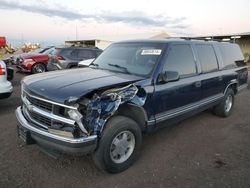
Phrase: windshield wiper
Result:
[120,67]
[94,64]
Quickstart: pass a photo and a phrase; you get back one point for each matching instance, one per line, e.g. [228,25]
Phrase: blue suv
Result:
[128,90]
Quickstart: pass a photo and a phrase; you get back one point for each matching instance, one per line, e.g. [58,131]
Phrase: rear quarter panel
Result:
[242,76]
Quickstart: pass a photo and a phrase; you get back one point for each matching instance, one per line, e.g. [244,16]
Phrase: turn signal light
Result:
[2,70]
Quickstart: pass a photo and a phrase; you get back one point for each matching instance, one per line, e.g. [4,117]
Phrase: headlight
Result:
[75,115]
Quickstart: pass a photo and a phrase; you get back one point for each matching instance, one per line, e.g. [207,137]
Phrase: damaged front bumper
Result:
[74,146]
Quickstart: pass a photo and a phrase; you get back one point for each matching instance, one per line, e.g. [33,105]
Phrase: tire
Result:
[108,155]
[224,109]
[38,68]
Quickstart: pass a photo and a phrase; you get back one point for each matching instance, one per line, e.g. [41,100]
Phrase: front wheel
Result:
[224,109]
[119,145]
[38,68]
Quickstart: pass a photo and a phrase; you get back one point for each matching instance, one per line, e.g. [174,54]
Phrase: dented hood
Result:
[59,86]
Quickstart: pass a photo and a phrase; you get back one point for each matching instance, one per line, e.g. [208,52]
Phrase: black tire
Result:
[221,109]
[38,68]
[114,127]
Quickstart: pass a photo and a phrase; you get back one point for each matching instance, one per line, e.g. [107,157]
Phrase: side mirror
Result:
[168,76]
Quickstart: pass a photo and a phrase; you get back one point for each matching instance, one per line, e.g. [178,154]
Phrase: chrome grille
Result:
[40,104]
[45,113]
[40,119]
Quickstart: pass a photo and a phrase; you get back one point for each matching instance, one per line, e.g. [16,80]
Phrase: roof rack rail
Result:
[194,38]
[209,39]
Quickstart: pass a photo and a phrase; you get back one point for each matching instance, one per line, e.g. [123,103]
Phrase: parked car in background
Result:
[15,59]
[3,42]
[69,57]
[131,88]
[35,62]
[5,86]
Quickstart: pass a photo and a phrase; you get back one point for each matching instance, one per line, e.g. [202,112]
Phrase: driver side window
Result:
[181,59]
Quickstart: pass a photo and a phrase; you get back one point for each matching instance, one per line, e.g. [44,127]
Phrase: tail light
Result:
[2,70]
[58,57]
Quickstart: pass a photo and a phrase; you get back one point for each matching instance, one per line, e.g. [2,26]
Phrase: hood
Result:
[59,86]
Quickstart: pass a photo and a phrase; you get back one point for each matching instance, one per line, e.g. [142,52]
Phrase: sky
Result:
[54,21]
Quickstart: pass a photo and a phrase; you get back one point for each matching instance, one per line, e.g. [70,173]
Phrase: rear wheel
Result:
[119,145]
[224,109]
[38,68]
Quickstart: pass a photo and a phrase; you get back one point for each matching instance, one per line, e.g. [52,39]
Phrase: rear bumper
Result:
[5,95]
[59,144]
[5,89]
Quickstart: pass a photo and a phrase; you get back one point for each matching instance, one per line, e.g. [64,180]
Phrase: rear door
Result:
[179,97]
[211,78]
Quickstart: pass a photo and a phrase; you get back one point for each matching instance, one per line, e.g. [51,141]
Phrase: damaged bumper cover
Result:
[64,145]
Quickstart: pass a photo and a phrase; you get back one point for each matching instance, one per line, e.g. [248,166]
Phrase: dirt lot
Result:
[203,151]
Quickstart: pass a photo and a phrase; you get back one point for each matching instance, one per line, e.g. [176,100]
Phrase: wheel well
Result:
[233,87]
[71,65]
[134,112]
[39,63]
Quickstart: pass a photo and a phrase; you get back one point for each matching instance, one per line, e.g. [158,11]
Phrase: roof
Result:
[226,35]
[170,40]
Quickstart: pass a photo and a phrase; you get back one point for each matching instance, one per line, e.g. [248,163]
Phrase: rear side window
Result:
[86,54]
[231,55]
[207,57]
[181,59]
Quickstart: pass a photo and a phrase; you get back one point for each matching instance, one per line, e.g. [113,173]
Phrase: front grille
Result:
[44,113]
[39,103]
[40,119]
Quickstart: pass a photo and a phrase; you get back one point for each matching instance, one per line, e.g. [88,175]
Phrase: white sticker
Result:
[151,52]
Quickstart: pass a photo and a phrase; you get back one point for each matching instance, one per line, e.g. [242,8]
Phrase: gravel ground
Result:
[203,151]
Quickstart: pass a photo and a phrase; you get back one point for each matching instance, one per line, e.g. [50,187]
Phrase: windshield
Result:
[131,58]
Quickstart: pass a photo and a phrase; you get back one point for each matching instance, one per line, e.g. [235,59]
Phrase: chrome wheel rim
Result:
[228,103]
[39,68]
[122,147]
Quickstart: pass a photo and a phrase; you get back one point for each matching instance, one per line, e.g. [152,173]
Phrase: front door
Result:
[179,97]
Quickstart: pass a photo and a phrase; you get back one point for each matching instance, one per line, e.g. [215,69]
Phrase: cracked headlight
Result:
[75,115]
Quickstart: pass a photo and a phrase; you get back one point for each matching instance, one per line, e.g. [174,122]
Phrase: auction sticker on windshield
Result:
[151,52]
